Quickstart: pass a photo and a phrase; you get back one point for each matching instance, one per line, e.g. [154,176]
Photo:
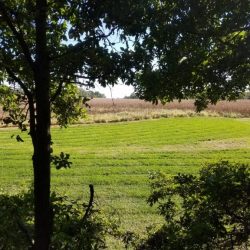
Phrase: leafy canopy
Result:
[87,41]
[195,49]
[166,49]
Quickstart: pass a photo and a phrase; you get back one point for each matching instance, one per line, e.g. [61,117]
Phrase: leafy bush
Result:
[209,211]
[16,218]
[76,226]
[68,107]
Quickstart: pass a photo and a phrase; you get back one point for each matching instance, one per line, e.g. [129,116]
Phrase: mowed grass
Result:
[117,158]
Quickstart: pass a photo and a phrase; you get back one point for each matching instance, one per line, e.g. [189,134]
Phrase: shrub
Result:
[16,219]
[76,226]
[209,211]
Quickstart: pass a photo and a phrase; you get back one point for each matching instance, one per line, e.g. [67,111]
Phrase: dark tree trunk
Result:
[41,157]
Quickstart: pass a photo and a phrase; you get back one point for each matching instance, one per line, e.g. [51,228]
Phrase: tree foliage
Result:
[91,94]
[198,49]
[71,228]
[68,106]
[131,96]
[209,211]
[82,47]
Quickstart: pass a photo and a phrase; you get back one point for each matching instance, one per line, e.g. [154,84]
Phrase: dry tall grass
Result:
[106,105]
[108,110]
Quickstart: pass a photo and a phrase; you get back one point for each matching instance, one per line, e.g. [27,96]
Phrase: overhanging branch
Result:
[65,80]
[17,34]
[19,81]
[58,91]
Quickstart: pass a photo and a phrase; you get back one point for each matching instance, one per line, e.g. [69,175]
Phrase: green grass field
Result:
[117,158]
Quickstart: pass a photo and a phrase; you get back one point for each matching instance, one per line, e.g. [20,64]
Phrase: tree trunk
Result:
[41,157]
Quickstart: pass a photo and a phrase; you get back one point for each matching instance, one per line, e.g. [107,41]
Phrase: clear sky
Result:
[118,91]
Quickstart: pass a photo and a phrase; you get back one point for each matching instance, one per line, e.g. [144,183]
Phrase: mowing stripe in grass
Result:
[117,158]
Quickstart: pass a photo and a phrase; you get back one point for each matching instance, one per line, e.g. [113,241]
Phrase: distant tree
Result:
[245,95]
[91,94]
[132,96]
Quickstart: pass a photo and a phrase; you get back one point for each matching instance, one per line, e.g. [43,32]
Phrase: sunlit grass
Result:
[117,159]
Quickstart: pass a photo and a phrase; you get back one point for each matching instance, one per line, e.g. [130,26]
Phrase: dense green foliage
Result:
[13,103]
[246,95]
[68,106]
[71,228]
[209,211]
[197,49]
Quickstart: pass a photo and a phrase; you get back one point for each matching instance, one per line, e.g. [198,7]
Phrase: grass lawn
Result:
[117,158]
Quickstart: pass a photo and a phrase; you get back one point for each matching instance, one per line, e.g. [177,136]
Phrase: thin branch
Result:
[26,110]
[213,34]
[17,34]
[18,80]
[71,50]
[78,83]
[75,49]
[90,205]
[81,76]
[58,91]
[227,42]
[25,232]
[103,35]
[111,94]
[65,80]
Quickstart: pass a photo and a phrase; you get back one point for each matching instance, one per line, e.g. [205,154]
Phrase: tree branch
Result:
[25,232]
[75,48]
[65,80]
[18,80]
[58,91]
[79,83]
[17,34]
[90,205]
[227,42]
[70,50]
